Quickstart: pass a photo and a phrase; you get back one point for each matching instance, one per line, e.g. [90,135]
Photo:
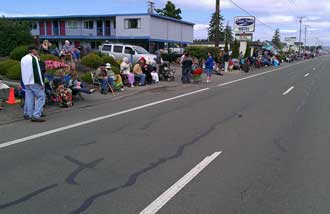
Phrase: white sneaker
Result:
[132,86]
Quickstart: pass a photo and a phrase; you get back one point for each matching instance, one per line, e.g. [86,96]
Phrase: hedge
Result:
[172,57]
[44,57]
[109,59]
[14,72]
[19,52]
[200,52]
[5,65]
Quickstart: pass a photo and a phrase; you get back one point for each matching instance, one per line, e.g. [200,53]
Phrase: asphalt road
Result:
[271,131]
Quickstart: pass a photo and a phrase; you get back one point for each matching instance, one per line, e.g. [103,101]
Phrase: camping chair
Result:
[98,82]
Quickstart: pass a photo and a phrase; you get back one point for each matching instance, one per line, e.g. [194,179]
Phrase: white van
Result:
[119,51]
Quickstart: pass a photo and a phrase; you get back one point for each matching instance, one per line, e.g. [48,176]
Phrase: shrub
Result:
[109,59]
[172,57]
[14,72]
[19,52]
[44,57]
[5,65]
[200,52]
[92,60]
[87,78]
[116,69]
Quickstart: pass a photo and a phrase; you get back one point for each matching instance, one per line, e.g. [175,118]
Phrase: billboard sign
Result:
[290,39]
[244,24]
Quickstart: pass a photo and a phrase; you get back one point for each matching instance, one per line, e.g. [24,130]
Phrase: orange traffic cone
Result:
[11,98]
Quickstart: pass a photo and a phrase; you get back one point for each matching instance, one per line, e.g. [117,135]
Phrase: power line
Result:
[247,12]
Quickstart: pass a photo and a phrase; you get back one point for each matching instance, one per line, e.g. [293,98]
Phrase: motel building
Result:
[149,30]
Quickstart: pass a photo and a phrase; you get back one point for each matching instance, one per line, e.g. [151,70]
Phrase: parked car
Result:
[119,51]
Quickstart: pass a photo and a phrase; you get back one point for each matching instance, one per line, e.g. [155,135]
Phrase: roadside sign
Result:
[244,24]
[244,37]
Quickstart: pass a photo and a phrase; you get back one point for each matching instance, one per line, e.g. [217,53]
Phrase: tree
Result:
[277,39]
[212,28]
[235,50]
[170,10]
[248,51]
[228,34]
[13,34]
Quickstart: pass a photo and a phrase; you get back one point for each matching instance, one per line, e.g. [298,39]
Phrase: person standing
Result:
[226,60]
[35,87]
[159,60]
[209,65]
[186,68]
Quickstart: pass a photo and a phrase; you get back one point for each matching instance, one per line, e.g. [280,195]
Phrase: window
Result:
[118,49]
[129,50]
[132,23]
[88,24]
[107,48]
[95,45]
[34,25]
[72,24]
[141,50]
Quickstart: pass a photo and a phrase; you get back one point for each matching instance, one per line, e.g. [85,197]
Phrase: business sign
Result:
[290,39]
[244,36]
[244,24]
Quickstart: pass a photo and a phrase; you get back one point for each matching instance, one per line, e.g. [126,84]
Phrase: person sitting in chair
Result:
[105,79]
[125,70]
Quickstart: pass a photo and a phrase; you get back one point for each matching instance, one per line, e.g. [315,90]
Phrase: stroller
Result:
[166,72]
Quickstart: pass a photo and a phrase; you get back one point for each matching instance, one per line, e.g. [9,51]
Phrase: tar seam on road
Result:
[288,91]
[157,204]
[27,197]
[46,133]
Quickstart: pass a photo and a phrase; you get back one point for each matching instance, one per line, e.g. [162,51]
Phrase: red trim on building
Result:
[42,28]
[62,28]
[49,28]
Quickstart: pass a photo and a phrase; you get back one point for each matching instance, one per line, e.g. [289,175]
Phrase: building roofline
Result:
[98,16]
[112,38]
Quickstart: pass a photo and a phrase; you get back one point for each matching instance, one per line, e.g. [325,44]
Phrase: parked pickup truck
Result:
[119,51]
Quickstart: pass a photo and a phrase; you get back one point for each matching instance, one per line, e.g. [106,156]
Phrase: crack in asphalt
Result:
[132,179]
[71,179]
[27,197]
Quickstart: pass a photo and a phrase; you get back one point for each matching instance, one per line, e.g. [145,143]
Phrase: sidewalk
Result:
[14,113]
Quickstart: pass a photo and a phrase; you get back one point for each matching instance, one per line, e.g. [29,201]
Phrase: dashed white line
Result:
[288,91]
[306,75]
[157,204]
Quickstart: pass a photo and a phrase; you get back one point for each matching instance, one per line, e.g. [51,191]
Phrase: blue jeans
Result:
[208,72]
[141,78]
[105,82]
[34,108]
[186,75]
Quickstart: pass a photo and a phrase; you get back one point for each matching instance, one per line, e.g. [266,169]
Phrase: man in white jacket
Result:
[35,88]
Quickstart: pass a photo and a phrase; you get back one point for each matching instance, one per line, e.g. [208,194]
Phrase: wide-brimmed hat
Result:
[108,65]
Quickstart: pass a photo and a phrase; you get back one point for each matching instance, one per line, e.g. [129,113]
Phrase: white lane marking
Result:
[42,134]
[306,75]
[288,91]
[157,204]
[256,75]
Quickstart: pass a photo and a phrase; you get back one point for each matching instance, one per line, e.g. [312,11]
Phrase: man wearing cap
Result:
[104,75]
[35,88]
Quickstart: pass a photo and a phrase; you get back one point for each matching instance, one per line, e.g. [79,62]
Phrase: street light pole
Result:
[217,23]
[300,22]
[305,46]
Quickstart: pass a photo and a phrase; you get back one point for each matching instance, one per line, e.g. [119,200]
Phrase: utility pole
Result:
[217,23]
[151,7]
[300,22]
[305,45]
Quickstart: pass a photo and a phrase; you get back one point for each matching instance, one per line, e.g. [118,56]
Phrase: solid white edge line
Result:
[42,134]
[288,91]
[166,196]
[306,75]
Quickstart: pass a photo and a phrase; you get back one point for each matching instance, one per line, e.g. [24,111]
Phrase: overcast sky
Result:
[275,13]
